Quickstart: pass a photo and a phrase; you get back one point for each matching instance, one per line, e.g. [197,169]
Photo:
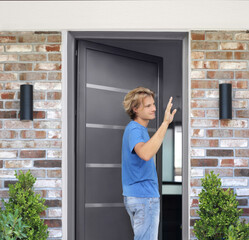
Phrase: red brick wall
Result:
[35,58]
[219,145]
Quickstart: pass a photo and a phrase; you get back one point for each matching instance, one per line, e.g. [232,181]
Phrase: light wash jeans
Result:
[144,214]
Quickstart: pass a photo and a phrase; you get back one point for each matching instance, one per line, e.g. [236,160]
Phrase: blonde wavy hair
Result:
[134,98]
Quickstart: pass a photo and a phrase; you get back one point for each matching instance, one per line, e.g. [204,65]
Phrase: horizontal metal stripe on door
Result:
[101,165]
[95,205]
[101,87]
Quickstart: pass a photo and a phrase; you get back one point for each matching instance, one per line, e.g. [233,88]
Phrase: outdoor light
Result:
[26,102]
[225,104]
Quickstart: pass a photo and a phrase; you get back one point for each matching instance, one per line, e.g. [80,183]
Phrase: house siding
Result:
[219,145]
[34,58]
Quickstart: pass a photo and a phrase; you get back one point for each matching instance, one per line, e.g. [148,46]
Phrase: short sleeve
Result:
[135,137]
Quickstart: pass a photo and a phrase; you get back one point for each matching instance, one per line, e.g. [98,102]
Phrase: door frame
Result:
[69,110]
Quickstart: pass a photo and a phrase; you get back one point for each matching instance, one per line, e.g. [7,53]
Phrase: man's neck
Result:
[142,121]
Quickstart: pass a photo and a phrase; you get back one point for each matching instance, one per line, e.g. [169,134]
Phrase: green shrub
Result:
[29,205]
[238,232]
[217,210]
[11,226]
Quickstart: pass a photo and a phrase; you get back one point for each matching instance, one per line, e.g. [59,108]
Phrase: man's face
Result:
[147,109]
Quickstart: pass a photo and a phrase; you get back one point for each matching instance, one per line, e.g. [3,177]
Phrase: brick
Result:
[234,182]
[54,212]
[222,172]
[197,132]
[197,93]
[205,64]
[197,152]
[54,173]
[193,213]
[204,143]
[242,94]
[54,38]
[17,124]
[212,113]
[53,114]
[18,164]
[242,114]
[241,36]
[18,66]
[233,46]
[8,58]
[8,76]
[32,154]
[245,212]
[33,57]
[241,55]
[48,48]
[233,65]
[48,183]
[54,194]
[47,105]
[7,173]
[239,104]
[227,163]
[55,233]
[195,182]
[219,55]
[240,84]
[12,86]
[47,125]
[4,194]
[53,203]
[242,152]
[32,134]
[8,114]
[54,76]
[233,123]
[233,143]
[241,162]
[243,202]
[38,114]
[220,35]
[17,144]
[208,162]
[47,163]
[204,84]
[32,38]
[54,154]
[202,45]
[7,95]
[197,74]
[242,75]
[242,191]
[48,144]
[1,67]
[197,172]
[8,182]
[18,48]
[241,133]
[197,55]
[54,134]
[1,48]
[194,192]
[204,123]
[1,163]
[197,113]
[220,75]
[198,103]
[53,95]
[8,154]
[7,39]
[219,153]
[198,36]
[47,66]
[47,86]
[241,173]
[41,173]
[54,57]
[53,223]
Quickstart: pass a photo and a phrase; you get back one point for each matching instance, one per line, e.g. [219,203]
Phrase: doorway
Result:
[106,70]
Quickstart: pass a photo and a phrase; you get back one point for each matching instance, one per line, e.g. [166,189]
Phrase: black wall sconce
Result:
[225,103]
[26,102]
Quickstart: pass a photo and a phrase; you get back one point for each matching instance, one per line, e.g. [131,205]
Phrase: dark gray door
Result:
[105,75]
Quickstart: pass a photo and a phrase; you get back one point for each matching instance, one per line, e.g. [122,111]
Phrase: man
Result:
[139,176]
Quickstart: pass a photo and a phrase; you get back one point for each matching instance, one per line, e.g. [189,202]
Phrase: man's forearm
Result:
[150,148]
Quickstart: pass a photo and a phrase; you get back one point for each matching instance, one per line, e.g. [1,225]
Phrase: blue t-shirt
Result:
[139,177]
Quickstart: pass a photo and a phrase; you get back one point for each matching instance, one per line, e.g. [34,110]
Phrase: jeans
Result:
[144,214]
